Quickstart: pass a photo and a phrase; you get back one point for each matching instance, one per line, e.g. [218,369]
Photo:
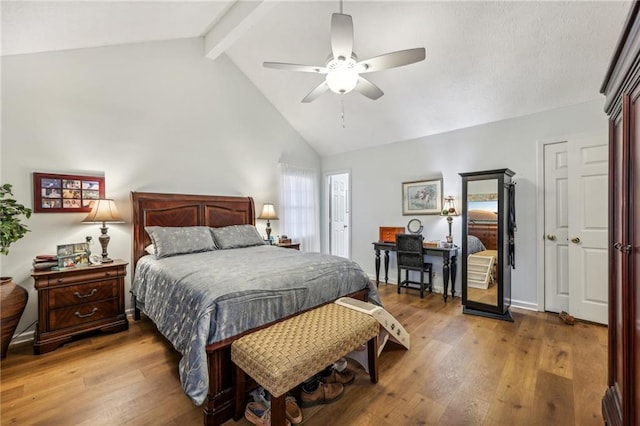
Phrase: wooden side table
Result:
[77,301]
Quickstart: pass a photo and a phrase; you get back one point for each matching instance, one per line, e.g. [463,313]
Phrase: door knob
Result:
[575,240]
[551,237]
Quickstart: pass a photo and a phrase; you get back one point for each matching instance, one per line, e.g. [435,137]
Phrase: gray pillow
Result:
[236,236]
[170,241]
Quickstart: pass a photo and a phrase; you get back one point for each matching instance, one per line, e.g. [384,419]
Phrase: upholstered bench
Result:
[285,354]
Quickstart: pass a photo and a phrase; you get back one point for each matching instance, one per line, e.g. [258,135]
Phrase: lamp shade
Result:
[268,212]
[103,211]
[449,208]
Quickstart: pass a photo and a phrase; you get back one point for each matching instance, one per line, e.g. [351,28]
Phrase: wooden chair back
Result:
[409,251]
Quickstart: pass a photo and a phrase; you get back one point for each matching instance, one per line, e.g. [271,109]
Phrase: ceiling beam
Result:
[240,17]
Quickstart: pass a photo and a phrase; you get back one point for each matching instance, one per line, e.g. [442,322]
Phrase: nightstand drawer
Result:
[84,275]
[83,293]
[81,314]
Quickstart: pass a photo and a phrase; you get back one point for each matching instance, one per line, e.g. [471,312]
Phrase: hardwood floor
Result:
[461,370]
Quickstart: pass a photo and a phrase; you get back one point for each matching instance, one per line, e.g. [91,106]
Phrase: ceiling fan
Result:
[343,69]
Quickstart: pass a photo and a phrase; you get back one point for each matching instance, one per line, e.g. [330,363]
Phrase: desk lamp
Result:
[449,210]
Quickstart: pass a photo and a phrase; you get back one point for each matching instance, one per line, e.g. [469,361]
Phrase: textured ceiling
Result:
[486,61]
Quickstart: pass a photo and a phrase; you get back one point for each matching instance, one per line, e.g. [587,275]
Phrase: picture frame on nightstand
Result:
[72,256]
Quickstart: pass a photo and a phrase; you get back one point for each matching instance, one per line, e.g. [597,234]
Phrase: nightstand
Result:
[79,300]
[295,246]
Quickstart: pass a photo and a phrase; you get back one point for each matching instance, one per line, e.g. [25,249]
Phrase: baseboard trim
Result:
[524,305]
[21,338]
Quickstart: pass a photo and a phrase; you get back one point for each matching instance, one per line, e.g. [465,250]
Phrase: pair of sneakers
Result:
[262,405]
[325,387]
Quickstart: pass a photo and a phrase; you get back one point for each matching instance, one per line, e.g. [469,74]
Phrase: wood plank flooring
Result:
[461,370]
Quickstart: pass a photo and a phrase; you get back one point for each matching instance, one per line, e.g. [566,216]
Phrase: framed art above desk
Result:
[449,257]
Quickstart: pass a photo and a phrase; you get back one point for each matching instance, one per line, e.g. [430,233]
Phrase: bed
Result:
[259,278]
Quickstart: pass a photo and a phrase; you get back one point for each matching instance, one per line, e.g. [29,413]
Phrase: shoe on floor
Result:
[325,393]
[566,318]
[258,414]
[294,413]
[260,395]
[344,377]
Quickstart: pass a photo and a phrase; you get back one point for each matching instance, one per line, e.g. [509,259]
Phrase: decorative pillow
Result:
[236,236]
[170,241]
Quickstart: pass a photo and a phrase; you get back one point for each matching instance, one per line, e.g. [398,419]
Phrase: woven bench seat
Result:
[285,354]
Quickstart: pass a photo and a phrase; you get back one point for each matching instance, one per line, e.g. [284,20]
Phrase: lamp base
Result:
[104,242]
[268,232]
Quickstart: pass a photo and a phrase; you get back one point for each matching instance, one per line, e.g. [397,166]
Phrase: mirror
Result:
[414,226]
[482,241]
[486,243]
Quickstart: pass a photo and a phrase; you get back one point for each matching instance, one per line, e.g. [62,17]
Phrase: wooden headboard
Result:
[154,209]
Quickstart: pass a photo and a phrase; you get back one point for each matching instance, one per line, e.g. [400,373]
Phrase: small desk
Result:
[449,263]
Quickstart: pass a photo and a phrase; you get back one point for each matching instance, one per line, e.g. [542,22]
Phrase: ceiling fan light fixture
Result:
[343,69]
[342,76]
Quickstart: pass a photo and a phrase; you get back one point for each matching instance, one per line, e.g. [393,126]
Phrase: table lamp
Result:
[449,210]
[268,213]
[104,211]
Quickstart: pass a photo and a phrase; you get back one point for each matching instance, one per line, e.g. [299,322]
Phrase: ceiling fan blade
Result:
[391,60]
[368,89]
[296,67]
[341,36]
[323,87]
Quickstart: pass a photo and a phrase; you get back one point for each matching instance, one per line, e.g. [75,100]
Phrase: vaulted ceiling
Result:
[486,61]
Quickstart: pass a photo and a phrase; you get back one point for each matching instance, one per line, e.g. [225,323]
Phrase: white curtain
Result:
[299,206]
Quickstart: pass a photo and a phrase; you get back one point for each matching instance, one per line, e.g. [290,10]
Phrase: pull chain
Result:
[342,112]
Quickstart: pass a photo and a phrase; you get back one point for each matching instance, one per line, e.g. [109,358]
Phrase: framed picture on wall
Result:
[422,197]
[54,193]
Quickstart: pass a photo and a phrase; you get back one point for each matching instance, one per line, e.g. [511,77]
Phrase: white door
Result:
[588,227]
[575,228]
[556,225]
[339,214]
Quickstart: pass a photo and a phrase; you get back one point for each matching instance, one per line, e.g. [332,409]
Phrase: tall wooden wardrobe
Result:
[621,402]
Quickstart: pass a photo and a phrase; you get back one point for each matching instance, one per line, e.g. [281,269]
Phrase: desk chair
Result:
[411,258]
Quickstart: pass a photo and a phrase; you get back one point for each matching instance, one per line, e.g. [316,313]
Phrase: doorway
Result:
[573,244]
[339,220]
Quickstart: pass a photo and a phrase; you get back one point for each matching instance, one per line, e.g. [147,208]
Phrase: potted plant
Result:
[13,298]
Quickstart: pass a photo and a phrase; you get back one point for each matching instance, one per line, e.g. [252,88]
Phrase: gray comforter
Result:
[202,298]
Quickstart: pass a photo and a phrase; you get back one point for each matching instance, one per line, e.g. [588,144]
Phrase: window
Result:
[299,212]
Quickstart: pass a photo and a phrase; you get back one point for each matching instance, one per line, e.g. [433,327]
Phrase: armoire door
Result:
[621,87]
[632,250]
[621,402]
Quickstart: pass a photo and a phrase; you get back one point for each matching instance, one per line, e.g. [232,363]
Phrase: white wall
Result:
[149,117]
[377,175]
